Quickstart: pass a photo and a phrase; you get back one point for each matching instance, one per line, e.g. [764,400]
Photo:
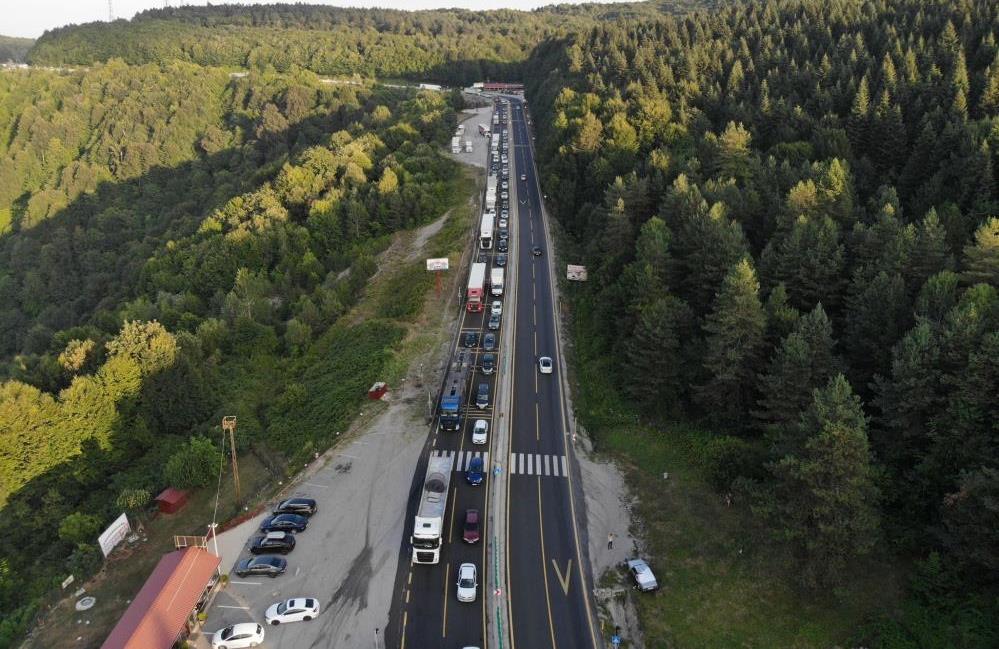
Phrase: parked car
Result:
[279,542]
[475,475]
[489,342]
[301,506]
[299,609]
[488,364]
[501,260]
[536,251]
[496,308]
[266,565]
[470,528]
[482,396]
[472,339]
[480,431]
[238,636]
[467,582]
[545,365]
[642,575]
[284,523]
[494,322]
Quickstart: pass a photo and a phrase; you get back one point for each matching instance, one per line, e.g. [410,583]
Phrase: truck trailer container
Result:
[475,295]
[496,281]
[428,525]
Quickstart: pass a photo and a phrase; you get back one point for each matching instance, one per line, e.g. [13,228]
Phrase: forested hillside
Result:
[791,219]
[14,49]
[453,46]
[180,244]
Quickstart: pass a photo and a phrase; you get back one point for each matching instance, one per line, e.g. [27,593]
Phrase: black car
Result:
[536,251]
[268,565]
[280,542]
[472,339]
[301,506]
[489,342]
[482,396]
[284,523]
[502,246]
[501,260]
[488,363]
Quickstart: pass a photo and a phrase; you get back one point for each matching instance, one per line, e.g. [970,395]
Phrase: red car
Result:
[470,528]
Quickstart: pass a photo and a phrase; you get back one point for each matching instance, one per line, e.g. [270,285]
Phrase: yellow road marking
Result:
[564,581]
[405,618]
[447,573]
[548,601]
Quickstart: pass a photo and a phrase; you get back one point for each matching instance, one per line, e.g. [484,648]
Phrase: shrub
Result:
[194,465]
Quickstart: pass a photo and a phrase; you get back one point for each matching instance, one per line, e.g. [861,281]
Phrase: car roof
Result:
[472,515]
[245,627]
[275,535]
[476,462]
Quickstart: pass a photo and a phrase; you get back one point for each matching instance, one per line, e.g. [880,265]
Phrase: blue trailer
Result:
[453,395]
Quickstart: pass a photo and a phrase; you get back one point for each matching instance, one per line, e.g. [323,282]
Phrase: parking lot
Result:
[347,557]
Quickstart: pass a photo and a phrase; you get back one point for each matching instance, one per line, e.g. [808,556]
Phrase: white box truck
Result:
[456,144]
[496,281]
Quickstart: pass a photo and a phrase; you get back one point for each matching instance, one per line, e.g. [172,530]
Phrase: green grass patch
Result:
[724,584]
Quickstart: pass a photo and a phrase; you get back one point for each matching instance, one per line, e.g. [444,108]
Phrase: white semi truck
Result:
[428,525]
[486,230]
[491,194]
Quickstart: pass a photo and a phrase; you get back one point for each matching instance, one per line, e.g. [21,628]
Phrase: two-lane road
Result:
[549,594]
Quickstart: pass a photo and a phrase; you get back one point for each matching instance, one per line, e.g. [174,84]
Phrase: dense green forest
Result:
[453,46]
[178,244]
[791,217]
[789,210]
[14,49]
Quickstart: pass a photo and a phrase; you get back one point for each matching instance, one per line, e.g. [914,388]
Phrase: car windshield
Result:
[466,582]
[282,607]
[227,632]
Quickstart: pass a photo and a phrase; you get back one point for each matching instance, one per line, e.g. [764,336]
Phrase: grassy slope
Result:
[724,583]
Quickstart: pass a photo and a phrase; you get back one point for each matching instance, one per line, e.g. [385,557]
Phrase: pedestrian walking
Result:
[610,541]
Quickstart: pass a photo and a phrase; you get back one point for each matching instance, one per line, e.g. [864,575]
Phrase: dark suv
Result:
[273,542]
[300,506]
[488,363]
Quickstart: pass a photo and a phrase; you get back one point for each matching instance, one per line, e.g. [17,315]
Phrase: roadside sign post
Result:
[436,266]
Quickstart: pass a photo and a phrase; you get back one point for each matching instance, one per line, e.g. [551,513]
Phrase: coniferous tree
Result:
[658,354]
[734,340]
[981,259]
[825,500]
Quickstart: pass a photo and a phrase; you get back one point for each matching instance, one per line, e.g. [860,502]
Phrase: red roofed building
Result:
[171,500]
[162,611]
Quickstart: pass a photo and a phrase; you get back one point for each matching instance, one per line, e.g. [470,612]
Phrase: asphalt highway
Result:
[547,599]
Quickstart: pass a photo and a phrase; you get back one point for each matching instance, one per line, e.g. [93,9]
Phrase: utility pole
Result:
[110,12]
[229,425]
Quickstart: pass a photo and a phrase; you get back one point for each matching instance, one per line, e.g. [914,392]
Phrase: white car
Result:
[298,609]
[503,223]
[480,432]
[496,308]
[467,584]
[642,574]
[523,176]
[545,365]
[238,636]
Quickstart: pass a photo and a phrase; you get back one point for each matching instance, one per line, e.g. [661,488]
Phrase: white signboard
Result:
[113,535]
[437,264]
[575,273]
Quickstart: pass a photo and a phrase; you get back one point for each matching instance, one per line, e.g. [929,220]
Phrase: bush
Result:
[79,528]
[194,465]
[729,458]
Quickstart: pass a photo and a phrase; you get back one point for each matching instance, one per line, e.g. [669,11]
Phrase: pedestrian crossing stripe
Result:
[461,459]
[540,465]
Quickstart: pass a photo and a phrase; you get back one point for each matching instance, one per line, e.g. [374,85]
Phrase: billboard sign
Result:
[575,273]
[113,535]
[437,264]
